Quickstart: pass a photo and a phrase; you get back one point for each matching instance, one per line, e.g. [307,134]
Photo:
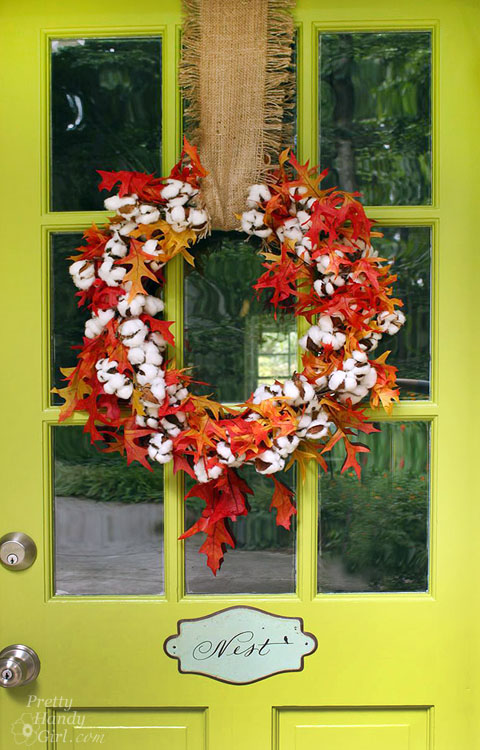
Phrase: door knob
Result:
[19,665]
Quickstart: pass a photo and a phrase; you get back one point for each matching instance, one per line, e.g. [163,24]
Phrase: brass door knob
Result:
[19,665]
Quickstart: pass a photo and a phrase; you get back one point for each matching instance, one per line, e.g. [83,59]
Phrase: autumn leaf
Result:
[202,402]
[134,451]
[282,502]
[353,449]
[214,545]
[161,326]
[136,259]
[72,393]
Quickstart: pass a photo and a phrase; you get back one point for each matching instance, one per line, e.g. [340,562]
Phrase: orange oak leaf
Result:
[136,258]
[214,545]
[72,393]
[282,502]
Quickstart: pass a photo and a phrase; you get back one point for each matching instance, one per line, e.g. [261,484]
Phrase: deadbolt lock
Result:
[17,551]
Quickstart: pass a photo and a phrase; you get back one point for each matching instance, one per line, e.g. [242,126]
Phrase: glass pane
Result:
[106,114]
[373,533]
[410,249]
[231,338]
[263,561]
[67,320]
[108,520]
[375,115]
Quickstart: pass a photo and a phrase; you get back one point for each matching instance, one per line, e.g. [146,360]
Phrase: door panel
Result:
[395,654]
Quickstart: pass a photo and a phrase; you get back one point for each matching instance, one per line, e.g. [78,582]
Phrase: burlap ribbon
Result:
[238,86]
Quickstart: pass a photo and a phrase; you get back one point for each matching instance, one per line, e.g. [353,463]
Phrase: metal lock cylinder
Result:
[19,665]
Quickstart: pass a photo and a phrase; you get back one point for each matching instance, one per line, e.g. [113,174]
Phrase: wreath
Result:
[319,264]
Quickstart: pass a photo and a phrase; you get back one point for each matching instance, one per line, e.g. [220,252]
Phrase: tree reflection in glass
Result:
[231,338]
[106,113]
[375,115]
[373,532]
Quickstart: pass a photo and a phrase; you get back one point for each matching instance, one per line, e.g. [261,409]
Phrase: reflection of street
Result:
[117,548]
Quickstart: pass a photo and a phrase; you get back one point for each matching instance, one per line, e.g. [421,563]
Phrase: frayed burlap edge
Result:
[278,105]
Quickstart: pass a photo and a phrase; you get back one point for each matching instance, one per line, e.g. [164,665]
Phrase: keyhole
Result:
[12,559]
[7,674]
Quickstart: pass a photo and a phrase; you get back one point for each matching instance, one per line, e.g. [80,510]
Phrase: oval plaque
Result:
[240,645]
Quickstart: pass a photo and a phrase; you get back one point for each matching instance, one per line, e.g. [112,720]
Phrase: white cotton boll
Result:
[336,379]
[137,304]
[246,226]
[325,323]
[308,393]
[298,191]
[200,471]
[290,390]
[82,283]
[153,423]
[110,274]
[126,391]
[293,230]
[147,373]
[304,219]
[150,247]
[317,430]
[178,214]
[349,364]
[181,394]
[126,228]
[339,340]
[114,381]
[153,305]
[148,217]
[287,444]
[258,194]
[136,355]
[140,421]
[158,388]
[322,263]
[273,460]
[321,382]
[350,382]
[318,287]
[263,233]
[152,353]
[133,332]
[215,471]
[180,200]
[158,339]
[370,378]
[82,268]
[224,450]
[115,202]
[304,421]
[197,217]
[115,248]
[171,189]
[359,356]
[172,429]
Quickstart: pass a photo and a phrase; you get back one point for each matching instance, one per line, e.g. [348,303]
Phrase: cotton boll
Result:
[158,388]
[84,271]
[178,214]
[152,353]
[290,390]
[339,340]
[269,462]
[125,391]
[149,216]
[359,356]
[200,471]
[287,444]
[146,374]
[126,228]
[110,274]
[153,305]
[115,248]
[95,325]
[171,189]
[258,194]
[323,262]
[317,430]
[150,247]
[157,337]
[350,382]
[293,230]
[136,355]
[133,332]
[336,379]
[197,217]
[370,378]
[115,202]
[304,219]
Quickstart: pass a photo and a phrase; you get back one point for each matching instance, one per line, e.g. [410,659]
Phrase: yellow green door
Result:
[382,571]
